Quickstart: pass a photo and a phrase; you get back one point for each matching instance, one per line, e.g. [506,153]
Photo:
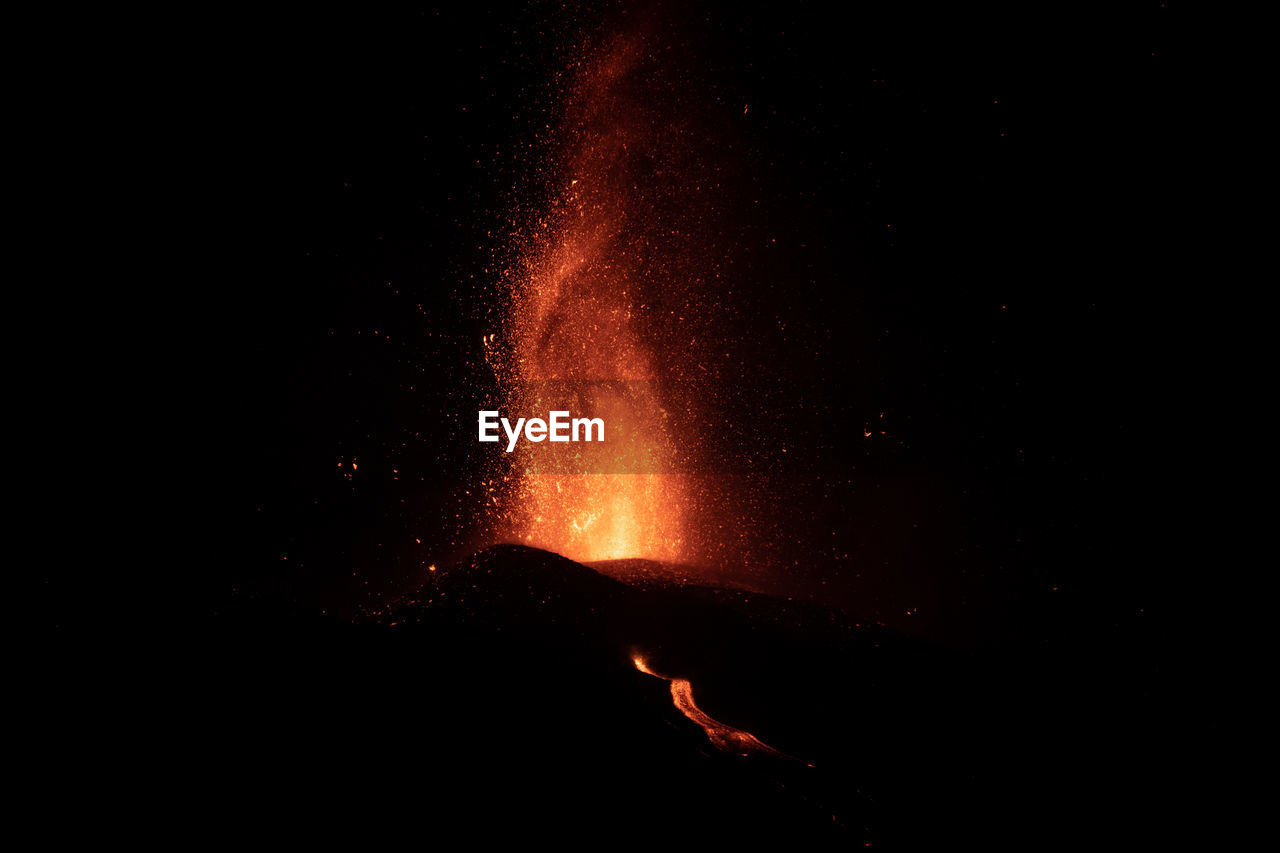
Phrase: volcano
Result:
[767,718]
[879,313]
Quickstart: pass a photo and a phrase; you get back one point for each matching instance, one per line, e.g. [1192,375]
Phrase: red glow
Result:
[577,316]
[724,737]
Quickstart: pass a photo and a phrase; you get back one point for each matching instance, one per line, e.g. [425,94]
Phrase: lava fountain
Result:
[596,286]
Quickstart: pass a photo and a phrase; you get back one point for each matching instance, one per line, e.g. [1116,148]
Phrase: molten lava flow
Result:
[723,737]
[579,334]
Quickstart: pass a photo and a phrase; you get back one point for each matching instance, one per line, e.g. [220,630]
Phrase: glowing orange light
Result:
[574,318]
[724,737]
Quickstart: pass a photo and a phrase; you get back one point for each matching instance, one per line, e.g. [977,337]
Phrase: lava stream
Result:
[724,737]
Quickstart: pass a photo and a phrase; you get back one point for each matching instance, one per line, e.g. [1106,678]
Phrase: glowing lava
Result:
[723,737]
[579,335]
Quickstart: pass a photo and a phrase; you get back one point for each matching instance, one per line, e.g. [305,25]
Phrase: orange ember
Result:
[577,324]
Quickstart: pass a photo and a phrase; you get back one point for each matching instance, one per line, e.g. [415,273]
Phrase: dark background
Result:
[956,220]
[961,223]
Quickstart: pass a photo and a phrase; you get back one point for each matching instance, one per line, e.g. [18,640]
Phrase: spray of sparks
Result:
[576,338]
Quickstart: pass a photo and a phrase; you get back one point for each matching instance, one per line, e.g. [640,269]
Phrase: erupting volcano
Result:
[648,420]
[595,296]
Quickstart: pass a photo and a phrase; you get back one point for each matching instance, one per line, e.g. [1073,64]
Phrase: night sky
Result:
[927,228]
[948,341]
